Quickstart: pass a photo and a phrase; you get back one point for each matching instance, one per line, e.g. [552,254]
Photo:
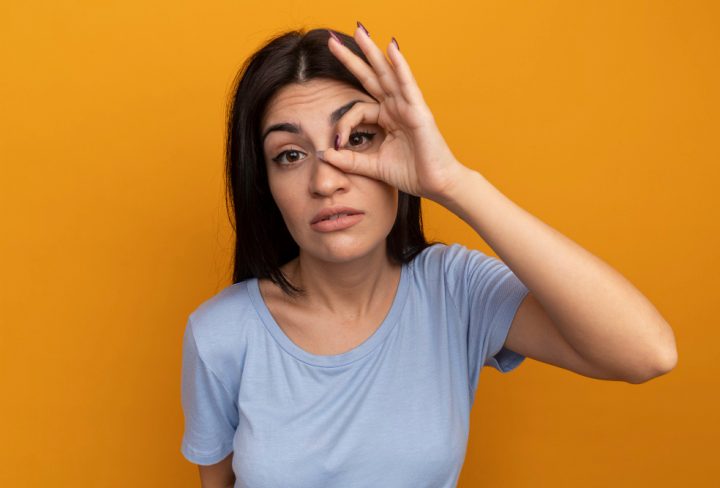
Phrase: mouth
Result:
[337,222]
[334,213]
[336,216]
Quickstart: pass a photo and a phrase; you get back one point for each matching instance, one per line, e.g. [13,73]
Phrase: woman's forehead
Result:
[290,107]
[320,94]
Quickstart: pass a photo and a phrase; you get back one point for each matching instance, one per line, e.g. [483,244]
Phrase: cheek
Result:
[394,206]
[390,204]
[284,192]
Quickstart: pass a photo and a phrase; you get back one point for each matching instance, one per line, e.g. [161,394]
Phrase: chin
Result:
[344,250]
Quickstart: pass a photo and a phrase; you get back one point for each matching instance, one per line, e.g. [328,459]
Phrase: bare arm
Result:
[219,475]
[581,313]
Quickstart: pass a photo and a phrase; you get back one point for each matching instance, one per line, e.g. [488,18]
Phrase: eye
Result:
[291,153]
[291,156]
[358,135]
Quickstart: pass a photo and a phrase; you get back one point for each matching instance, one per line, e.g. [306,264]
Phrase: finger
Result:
[358,67]
[384,72]
[360,113]
[408,85]
[353,162]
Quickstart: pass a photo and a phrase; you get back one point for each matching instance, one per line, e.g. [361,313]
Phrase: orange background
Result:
[599,117]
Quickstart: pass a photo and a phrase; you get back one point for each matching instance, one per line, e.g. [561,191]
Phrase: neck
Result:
[349,289]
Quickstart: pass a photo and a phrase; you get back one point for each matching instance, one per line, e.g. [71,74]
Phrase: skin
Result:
[218,475]
[348,276]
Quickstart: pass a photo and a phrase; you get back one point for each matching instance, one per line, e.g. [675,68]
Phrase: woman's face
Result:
[303,185]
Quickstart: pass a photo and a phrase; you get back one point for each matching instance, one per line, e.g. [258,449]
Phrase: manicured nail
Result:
[396,44]
[337,142]
[321,155]
[363,28]
[335,37]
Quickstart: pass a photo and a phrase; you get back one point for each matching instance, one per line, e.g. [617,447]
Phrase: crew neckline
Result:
[331,360]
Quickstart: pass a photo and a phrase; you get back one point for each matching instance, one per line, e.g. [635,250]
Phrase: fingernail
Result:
[335,37]
[320,154]
[396,44]
[337,142]
[363,28]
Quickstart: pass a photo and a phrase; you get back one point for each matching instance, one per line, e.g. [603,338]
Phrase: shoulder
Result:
[449,261]
[219,327]
[221,311]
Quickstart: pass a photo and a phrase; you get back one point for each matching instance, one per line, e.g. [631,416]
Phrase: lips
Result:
[330,211]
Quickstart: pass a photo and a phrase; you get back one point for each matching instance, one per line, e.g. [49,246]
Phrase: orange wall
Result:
[599,117]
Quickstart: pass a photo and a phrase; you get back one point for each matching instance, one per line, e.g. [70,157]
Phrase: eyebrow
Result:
[288,127]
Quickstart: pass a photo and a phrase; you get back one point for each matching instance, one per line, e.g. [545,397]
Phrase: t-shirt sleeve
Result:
[211,414]
[488,295]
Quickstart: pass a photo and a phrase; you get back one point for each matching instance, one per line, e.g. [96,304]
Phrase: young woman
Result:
[348,350]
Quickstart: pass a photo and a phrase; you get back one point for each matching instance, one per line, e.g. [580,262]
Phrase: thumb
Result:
[349,161]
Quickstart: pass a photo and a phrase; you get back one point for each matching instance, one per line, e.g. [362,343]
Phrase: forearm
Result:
[608,321]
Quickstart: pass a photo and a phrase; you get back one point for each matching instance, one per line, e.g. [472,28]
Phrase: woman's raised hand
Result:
[414,156]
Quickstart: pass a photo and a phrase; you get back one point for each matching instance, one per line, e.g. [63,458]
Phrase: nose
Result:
[326,179]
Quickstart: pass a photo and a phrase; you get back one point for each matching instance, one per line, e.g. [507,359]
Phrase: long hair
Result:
[262,240]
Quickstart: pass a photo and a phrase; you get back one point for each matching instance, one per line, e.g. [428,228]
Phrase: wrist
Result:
[457,185]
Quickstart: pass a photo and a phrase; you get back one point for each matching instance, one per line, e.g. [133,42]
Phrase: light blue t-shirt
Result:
[392,412]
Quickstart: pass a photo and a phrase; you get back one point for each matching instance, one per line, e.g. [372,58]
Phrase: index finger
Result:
[362,71]
[385,72]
